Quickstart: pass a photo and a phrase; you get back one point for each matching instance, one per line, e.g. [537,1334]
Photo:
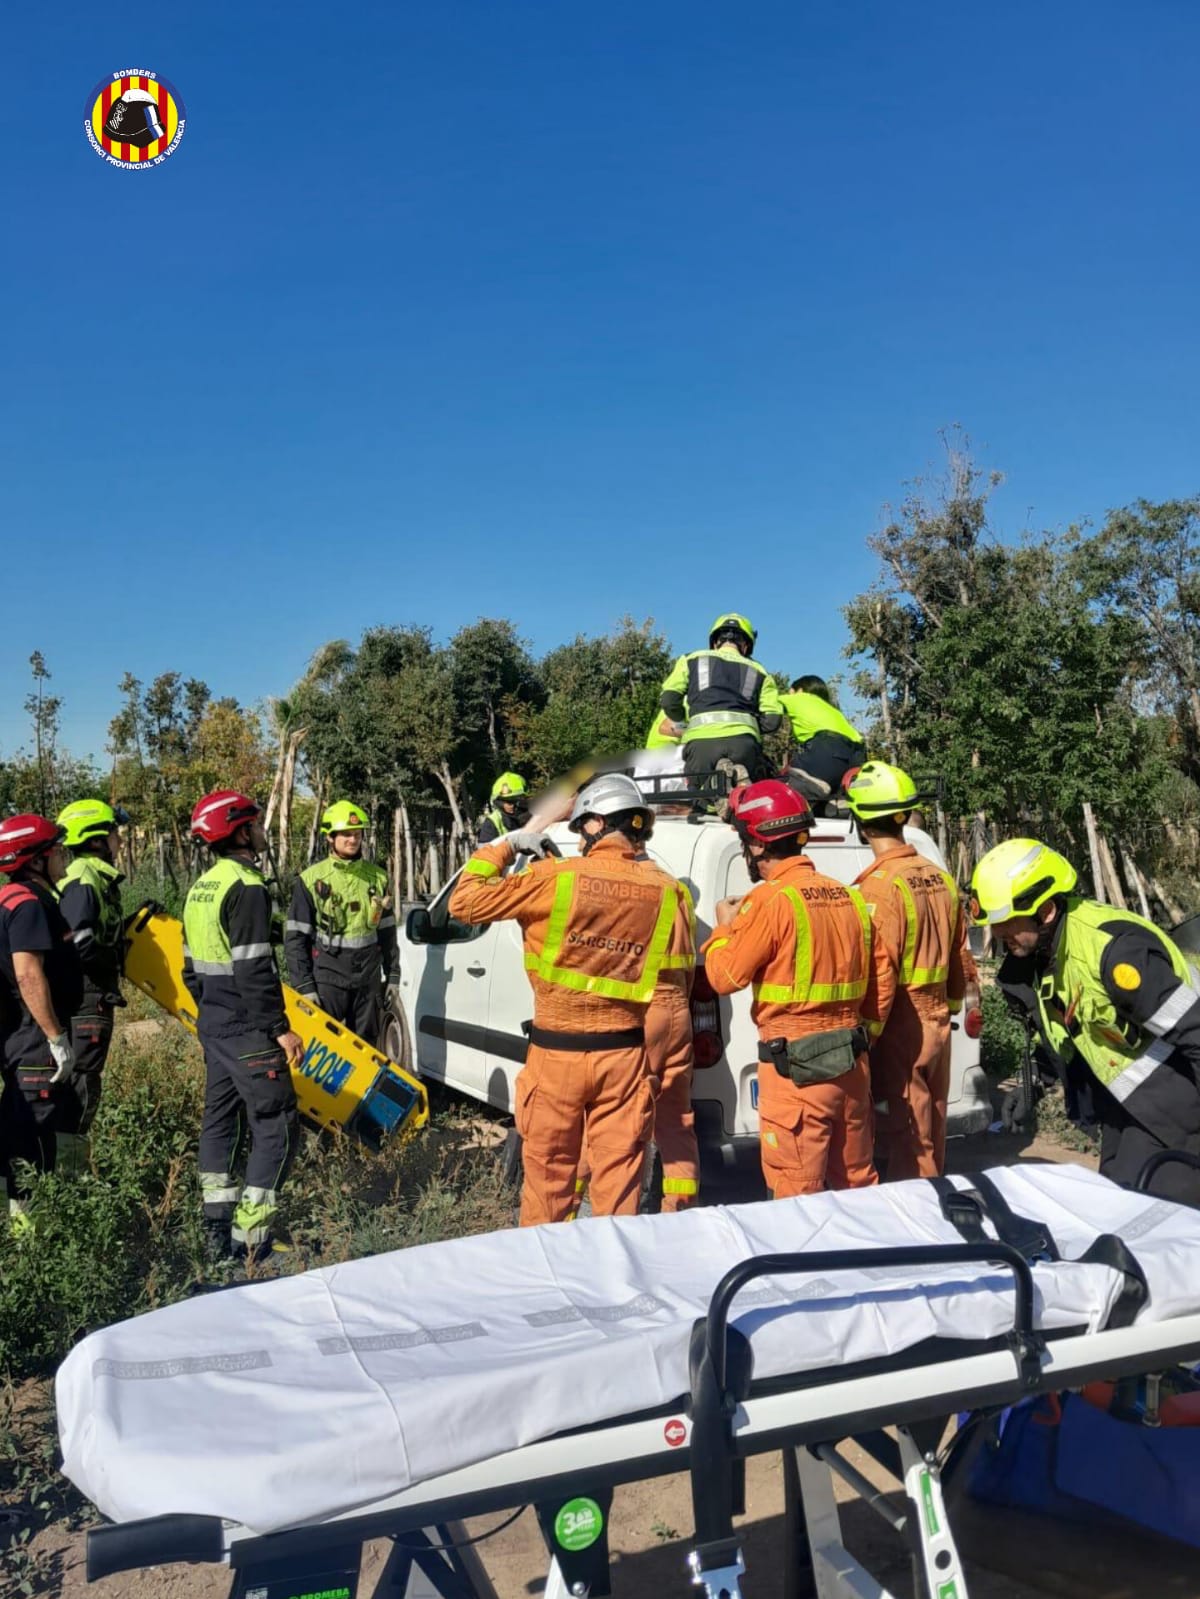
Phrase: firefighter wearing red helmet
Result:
[41,985]
[821,989]
[249,1047]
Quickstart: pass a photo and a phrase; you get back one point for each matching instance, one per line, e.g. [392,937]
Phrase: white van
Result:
[463,994]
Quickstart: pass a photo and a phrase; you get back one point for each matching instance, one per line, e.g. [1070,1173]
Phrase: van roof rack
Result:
[674,788]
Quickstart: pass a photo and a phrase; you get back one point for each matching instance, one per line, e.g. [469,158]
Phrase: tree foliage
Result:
[1020,677]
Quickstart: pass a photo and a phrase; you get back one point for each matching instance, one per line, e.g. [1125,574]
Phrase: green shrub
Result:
[126,1236]
[1002,1043]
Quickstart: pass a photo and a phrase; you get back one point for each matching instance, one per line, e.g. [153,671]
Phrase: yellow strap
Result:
[680,1185]
[477,868]
[546,967]
[803,989]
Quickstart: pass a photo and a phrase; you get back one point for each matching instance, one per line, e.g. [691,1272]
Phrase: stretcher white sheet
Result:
[292,1400]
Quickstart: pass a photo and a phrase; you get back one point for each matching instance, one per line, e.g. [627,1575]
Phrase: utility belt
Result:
[818,1057]
[585,1043]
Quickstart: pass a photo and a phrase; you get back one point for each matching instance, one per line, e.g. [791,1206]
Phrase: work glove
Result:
[64,1057]
[1016,1110]
[84,940]
[528,841]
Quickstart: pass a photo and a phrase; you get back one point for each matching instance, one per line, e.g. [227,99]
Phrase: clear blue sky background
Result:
[554,310]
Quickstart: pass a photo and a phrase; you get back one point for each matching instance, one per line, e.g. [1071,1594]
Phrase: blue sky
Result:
[558,310]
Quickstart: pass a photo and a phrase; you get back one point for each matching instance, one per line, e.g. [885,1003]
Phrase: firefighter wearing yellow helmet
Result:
[89,897]
[917,918]
[341,930]
[1114,1003]
[508,809]
[721,701]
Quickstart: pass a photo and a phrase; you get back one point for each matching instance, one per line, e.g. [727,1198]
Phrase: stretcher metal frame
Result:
[725,1420]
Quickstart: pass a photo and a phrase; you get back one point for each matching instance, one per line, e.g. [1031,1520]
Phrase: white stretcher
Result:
[278,1425]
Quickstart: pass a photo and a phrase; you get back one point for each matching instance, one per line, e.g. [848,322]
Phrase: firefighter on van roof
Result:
[825,746]
[720,701]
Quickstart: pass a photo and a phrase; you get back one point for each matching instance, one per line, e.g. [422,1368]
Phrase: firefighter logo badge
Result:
[134,119]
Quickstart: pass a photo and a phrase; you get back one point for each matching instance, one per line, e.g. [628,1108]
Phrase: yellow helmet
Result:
[1015,878]
[732,622]
[508,786]
[89,818]
[878,790]
[343,816]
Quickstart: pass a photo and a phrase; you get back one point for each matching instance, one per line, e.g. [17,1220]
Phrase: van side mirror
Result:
[419,926]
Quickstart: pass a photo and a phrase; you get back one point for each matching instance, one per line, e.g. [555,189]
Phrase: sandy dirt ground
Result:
[1007,1554]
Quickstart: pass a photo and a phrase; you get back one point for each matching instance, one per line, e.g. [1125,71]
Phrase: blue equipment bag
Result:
[1060,1455]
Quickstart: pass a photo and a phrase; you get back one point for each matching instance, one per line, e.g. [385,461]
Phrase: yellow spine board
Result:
[338,1075]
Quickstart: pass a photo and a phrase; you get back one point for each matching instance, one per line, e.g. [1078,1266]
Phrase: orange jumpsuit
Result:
[918,921]
[795,934]
[598,929]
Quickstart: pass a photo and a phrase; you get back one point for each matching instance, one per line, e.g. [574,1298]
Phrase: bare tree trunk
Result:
[1110,872]
[1172,906]
[397,868]
[310,843]
[276,781]
[943,833]
[1135,877]
[446,779]
[435,881]
[1089,821]
[286,790]
[410,867]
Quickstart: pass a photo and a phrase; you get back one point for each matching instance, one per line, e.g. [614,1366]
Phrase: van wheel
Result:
[394,1040]
[512,1167]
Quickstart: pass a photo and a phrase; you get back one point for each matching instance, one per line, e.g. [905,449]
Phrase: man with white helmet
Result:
[1115,1003]
[599,928]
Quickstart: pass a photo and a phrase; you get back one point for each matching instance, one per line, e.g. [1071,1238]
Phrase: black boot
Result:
[218,1241]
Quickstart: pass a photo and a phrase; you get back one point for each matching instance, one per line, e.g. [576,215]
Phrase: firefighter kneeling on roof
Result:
[599,929]
[822,987]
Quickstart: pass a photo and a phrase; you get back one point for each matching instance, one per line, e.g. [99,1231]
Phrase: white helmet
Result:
[608,795]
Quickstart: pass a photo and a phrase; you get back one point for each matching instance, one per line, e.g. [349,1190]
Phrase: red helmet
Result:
[769,810]
[24,838]
[219,815]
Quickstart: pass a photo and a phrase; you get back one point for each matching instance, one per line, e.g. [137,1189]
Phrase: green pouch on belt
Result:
[821,1056]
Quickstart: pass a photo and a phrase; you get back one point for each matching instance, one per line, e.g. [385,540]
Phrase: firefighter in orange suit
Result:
[599,929]
[918,920]
[671,1056]
[669,1046]
[821,990]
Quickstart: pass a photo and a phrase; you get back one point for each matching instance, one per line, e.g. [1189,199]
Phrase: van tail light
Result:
[707,1044]
[973,1023]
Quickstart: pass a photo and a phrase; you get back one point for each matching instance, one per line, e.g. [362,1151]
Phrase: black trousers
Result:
[816,769]
[26,1127]
[91,1036]
[359,1009]
[247,1092]
[701,755]
[1126,1146]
